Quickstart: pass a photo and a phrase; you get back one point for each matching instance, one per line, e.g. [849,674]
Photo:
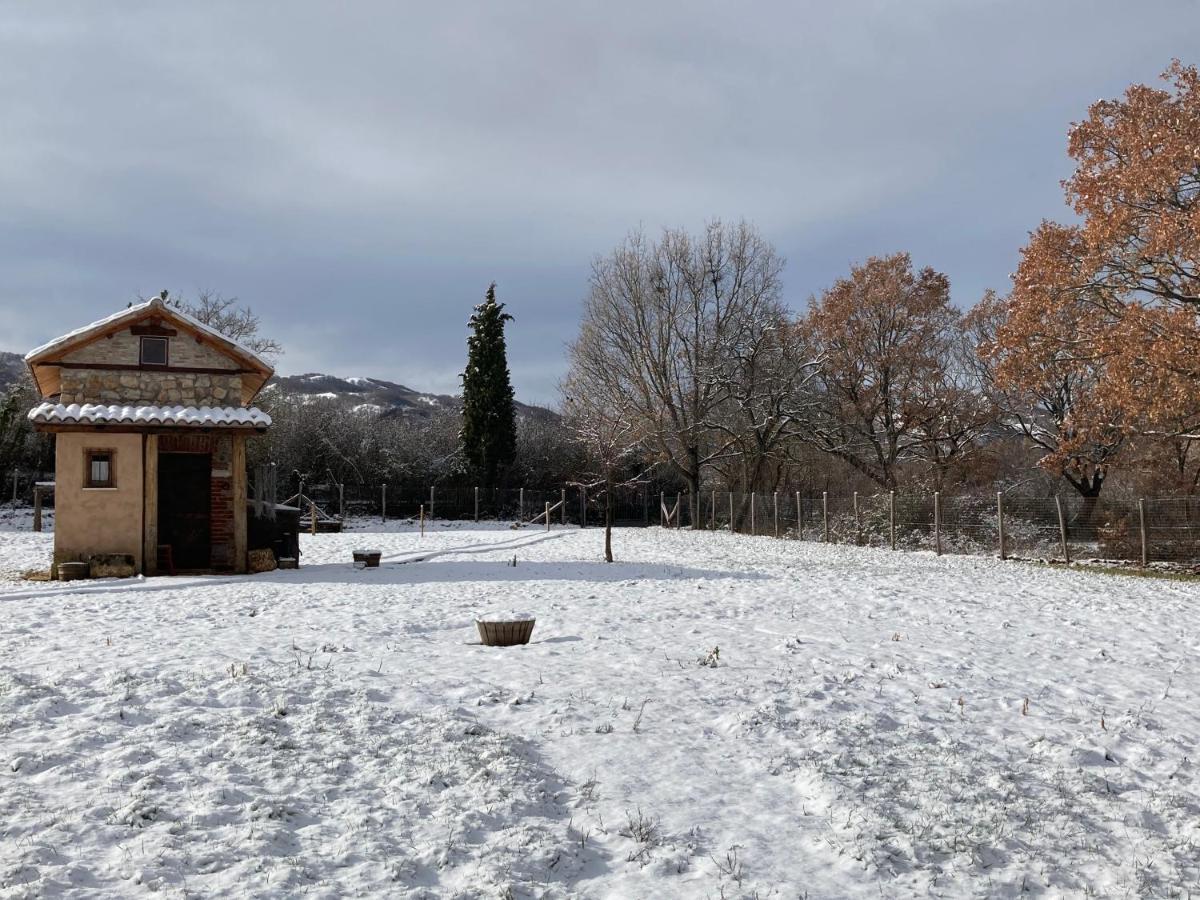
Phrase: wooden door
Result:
[185,508]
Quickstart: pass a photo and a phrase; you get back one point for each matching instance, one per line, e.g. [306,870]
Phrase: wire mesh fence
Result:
[1068,527]
[1054,528]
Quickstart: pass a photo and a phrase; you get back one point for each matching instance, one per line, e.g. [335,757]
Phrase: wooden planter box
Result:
[505,634]
[367,558]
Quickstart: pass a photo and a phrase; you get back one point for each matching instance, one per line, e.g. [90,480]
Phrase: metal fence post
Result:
[547,515]
[775,505]
[562,497]
[678,497]
[37,508]
[383,502]
[714,510]
[431,501]
[521,505]
[582,507]
[477,503]
[341,501]
[825,514]
[937,522]
[892,518]
[1062,531]
[799,518]
[753,522]
[1142,526]
[731,528]
[1000,523]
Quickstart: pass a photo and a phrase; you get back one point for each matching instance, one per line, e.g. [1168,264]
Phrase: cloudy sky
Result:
[358,172]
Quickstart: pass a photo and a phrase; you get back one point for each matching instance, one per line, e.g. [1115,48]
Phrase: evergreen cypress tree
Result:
[489,429]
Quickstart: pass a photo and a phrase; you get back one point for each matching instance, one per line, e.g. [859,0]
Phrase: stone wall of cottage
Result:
[161,387]
[158,388]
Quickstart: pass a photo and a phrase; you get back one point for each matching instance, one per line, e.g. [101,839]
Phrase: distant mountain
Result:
[377,395]
[370,394]
[12,367]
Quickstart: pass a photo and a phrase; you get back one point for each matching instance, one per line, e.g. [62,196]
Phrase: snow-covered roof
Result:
[137,311]
[182,416]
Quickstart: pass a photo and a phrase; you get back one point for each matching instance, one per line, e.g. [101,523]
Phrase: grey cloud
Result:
[359,172]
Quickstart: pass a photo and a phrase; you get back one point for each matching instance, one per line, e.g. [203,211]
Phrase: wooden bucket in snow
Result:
[505,633]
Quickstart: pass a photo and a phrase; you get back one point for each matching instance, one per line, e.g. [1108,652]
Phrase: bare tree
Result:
[660,322]
[768,373]
[231,319]
[609,437]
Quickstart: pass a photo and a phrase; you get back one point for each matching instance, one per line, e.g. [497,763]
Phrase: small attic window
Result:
[154,351]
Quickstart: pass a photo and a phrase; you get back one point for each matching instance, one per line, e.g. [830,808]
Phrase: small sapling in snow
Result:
[711,659]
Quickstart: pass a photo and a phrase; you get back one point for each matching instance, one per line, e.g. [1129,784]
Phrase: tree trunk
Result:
[608,489]
[1088,487]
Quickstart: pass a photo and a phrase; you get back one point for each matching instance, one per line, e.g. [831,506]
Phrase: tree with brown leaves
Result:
[1127,277]
[890,388]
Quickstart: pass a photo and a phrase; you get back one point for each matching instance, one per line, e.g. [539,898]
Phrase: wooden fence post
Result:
[477,503]
[422,515]
[937,522]
[678,497]
[37,508]
[857,523]
[547,515]
[312,517]
[892,518]
[1142,526]
[825,514]
[1062,530]
[383,503]
[1000,523]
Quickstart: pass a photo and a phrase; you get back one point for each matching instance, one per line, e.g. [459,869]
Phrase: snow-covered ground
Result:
[711,716]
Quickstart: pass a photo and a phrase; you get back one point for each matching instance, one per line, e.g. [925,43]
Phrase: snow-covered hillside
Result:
[12,369]
[711,716]
[376,395]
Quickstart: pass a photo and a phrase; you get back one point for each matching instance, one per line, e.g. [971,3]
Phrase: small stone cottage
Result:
[151,410]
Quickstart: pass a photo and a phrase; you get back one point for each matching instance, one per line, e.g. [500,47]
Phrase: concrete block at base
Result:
[261,561]
[288,562]
[111,565]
